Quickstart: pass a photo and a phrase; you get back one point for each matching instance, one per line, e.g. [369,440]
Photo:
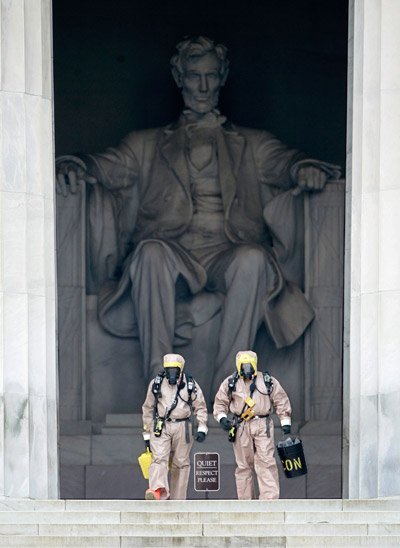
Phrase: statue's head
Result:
[200,69]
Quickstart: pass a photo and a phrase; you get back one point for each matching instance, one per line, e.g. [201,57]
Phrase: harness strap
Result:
[187,437]
[239,418]
[268,421]
[255,416]
[168,412]
[191,388]
[186,421]
[268,382]
[269,386]
[156,390]
[232,384]
[173,405]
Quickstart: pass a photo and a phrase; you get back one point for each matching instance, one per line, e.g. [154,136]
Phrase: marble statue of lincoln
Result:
[200,188]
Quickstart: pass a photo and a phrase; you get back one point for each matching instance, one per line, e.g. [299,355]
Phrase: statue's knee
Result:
[152,253]
[250,259]
[151,257]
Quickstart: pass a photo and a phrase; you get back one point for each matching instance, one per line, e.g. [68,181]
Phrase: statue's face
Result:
[201,82]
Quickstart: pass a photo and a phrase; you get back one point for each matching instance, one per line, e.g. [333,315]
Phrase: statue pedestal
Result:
[99,461]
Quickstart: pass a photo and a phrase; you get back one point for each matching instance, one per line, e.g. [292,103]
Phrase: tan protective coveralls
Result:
[172,443]
[254,445]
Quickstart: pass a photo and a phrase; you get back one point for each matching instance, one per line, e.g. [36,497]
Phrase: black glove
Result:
[286,429]
[200,437]
[225,423]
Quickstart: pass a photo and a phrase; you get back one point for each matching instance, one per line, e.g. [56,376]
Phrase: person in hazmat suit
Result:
[250,397]
[172,403]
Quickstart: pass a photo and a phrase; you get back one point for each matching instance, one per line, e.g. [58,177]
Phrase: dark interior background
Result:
[288,68]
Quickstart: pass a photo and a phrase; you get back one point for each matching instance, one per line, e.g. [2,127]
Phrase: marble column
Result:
[28,379]
[372,336]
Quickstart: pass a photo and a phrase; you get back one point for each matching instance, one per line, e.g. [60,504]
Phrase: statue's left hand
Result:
[309,178]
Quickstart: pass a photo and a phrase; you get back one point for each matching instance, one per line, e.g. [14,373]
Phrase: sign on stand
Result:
[206,471]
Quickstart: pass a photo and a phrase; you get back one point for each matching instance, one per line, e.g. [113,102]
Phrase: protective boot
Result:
[152,494]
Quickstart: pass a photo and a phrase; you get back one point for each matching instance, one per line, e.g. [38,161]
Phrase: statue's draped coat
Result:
[148,176]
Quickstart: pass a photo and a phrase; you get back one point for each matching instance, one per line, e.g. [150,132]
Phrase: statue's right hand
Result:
[70,176]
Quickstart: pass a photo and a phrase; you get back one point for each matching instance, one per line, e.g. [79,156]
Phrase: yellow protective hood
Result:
[173,360]
[246,356]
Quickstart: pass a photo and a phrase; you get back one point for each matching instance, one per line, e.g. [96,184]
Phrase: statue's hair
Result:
[197,47]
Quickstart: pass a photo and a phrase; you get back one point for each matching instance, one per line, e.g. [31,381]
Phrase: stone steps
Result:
[126,542]
[204,517]
[189,506]
[200,523]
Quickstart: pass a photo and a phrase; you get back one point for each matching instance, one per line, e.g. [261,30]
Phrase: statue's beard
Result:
[203,106]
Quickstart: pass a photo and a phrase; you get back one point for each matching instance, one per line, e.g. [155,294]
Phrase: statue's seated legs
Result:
[246,282]
[154,275]
[241,272]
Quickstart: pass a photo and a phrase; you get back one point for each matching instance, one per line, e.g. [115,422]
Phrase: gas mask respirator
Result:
[247,371]
[172,374]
